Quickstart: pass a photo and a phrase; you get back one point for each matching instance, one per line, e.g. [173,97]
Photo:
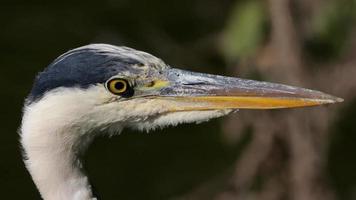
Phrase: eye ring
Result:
[118,86]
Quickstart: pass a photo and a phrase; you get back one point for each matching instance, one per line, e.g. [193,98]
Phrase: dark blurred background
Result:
[301,154]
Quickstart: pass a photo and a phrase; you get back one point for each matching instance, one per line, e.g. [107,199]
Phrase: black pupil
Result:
[119,85]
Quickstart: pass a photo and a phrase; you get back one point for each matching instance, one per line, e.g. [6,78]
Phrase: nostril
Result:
[196,83]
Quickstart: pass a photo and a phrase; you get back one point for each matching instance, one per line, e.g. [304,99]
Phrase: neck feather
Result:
[52,145]
[54,165]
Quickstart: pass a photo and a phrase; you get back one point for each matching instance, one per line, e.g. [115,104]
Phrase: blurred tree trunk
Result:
[287,155]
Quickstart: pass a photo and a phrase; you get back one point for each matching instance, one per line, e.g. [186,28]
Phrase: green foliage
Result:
[330,29]
[244,30]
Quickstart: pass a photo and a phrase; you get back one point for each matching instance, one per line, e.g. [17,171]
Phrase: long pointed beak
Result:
[198,91]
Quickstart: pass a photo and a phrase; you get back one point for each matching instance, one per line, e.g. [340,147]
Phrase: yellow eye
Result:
[117,86]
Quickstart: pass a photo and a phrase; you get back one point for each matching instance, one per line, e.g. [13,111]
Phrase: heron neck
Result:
[51,156]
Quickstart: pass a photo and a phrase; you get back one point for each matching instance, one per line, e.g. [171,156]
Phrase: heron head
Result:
[109,88]
[104,86]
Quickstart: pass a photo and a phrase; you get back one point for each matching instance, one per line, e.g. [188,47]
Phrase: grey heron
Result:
[101,88]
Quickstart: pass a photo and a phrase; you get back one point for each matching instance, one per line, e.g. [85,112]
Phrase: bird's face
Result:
[135,89]
[169,96]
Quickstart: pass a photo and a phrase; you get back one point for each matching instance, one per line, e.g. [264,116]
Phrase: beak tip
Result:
[338,100]
[333,99]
